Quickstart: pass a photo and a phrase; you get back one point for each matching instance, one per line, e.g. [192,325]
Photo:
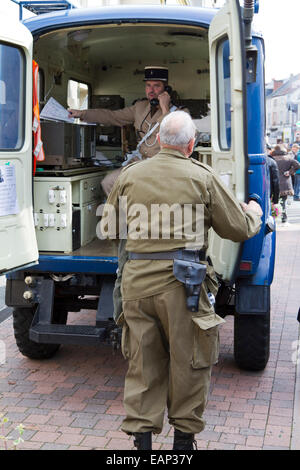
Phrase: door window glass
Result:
[224,94]
[11,97]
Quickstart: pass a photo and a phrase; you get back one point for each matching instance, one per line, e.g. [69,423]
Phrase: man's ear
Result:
[191,146]
[158,138]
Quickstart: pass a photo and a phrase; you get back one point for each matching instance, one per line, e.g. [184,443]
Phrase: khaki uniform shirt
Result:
[171,178]
[139,115]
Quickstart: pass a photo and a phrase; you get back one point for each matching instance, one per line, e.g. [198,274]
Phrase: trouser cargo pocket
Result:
[206,340]
[125,341]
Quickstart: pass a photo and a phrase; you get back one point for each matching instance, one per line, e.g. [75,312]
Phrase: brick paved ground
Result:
[74,400]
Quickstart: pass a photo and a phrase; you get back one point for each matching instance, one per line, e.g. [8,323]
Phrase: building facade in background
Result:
[283,110]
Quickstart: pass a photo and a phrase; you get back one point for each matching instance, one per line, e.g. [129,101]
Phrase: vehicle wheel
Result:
[22,319]
[252,341]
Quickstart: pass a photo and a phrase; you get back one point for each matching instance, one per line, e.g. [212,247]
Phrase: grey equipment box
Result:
[67,145]
[65,210]
[108,135]
[197,108]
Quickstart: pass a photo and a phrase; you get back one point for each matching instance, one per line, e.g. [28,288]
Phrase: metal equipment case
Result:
[67,145]
[65,210]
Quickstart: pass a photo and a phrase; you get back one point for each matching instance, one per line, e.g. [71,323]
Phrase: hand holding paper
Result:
[55,111]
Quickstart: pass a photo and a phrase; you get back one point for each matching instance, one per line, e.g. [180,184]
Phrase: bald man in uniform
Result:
[170,333]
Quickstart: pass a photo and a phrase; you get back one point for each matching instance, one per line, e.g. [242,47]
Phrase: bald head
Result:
[177,130]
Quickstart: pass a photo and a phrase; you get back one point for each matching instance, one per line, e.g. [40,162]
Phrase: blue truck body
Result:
[254,271]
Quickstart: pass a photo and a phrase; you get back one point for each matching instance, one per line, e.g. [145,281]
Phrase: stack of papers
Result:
[54,111]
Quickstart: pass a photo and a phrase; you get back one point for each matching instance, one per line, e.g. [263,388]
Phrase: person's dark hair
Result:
[279,150]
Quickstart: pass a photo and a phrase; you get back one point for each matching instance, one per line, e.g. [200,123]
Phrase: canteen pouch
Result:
[192,275]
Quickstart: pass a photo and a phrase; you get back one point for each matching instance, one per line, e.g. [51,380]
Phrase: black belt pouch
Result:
[191,275]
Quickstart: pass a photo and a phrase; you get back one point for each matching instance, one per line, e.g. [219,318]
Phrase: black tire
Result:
[22,319]
[252,341]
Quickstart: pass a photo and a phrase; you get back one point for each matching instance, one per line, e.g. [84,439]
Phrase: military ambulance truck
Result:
[49,249]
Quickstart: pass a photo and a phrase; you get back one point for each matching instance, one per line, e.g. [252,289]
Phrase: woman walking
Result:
[296,152]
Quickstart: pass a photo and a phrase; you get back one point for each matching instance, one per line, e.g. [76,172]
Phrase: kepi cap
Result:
[154,72]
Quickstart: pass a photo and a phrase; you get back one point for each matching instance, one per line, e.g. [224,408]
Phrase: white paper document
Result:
[8,190]
[55,111]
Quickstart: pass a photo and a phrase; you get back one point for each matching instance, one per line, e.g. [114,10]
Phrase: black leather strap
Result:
[187,255]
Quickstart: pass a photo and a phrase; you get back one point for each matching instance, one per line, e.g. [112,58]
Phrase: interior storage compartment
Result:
[65,210]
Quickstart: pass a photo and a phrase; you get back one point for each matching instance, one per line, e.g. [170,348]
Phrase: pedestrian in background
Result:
[287,166]
[296,153]
[295,150]
[274,176]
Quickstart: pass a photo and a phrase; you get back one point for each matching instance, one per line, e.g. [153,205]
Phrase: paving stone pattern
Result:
[74,400]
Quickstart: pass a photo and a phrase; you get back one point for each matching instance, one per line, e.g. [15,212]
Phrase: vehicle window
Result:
[224,94]
[11,97]
[78,95]
[41,87]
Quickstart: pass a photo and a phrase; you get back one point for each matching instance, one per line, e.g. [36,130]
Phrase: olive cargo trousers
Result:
[117,296]
[171,352]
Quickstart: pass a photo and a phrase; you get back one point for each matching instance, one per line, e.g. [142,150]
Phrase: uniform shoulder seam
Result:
[203,165]
[129,166]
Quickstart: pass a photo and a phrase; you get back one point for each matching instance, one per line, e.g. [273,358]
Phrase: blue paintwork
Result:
[256,106]
[265,269]
[78,264]
[85,16]
[260,250]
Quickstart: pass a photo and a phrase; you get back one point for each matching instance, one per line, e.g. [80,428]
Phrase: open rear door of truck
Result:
[228,118]
[18,246]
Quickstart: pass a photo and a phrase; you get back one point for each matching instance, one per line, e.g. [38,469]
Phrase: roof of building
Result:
[286,88]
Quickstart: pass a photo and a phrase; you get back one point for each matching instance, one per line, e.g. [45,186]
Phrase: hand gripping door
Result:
[18,246]
[228,120]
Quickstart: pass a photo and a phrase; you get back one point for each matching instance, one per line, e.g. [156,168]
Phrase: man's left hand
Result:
[164,102]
